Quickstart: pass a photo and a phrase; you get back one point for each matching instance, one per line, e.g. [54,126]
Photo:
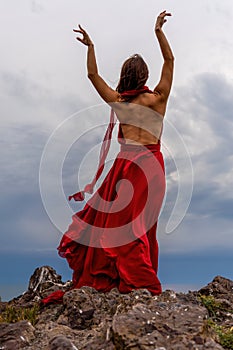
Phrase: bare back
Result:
[141,119]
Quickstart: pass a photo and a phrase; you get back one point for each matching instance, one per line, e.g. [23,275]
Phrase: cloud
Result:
[36,6]
[201,112]
[27,100]
[29,114]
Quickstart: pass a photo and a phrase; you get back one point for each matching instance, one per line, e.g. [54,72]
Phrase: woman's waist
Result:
[137,136]
[139,147]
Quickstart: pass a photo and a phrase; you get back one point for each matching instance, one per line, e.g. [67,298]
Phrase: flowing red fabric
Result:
[112,241]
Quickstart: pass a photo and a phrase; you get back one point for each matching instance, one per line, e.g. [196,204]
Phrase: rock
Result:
[43,278]
[89,320]
[44,281]
[16,335]
[218,297]
[158,324]
[79,307]
[220,287]
[61,343]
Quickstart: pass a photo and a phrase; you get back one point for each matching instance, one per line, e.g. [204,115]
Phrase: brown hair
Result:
[134,74]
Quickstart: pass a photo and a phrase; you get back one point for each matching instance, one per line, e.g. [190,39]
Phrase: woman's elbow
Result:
[92,75]
[170,58]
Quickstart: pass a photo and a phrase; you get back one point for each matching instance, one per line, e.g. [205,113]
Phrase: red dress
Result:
[112,241]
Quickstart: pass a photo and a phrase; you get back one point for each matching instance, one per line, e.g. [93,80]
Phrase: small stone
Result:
[198,340]
[61,343]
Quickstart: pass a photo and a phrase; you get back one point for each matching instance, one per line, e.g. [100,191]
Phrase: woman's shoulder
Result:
[152,101]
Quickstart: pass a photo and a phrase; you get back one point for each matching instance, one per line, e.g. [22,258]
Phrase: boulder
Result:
[89,320]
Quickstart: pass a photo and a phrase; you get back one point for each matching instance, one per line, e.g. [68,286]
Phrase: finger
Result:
[81,27]
[77,31]
[164,13]
[79,39]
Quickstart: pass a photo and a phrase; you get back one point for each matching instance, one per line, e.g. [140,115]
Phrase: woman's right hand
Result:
[85,39]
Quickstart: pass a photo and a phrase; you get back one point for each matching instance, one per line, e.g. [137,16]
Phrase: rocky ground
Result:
[89,320]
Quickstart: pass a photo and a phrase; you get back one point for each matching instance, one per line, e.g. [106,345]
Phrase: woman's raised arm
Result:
[164,86]
[105,91]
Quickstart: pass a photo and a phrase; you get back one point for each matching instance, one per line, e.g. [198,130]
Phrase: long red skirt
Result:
[112,241]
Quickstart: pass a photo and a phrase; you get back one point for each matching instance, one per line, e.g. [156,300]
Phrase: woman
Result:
[112,241]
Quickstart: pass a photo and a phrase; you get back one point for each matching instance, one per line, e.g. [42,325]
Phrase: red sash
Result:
[80,196]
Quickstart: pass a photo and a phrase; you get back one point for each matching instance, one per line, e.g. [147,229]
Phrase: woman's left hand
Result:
[86,39]
[161,20]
